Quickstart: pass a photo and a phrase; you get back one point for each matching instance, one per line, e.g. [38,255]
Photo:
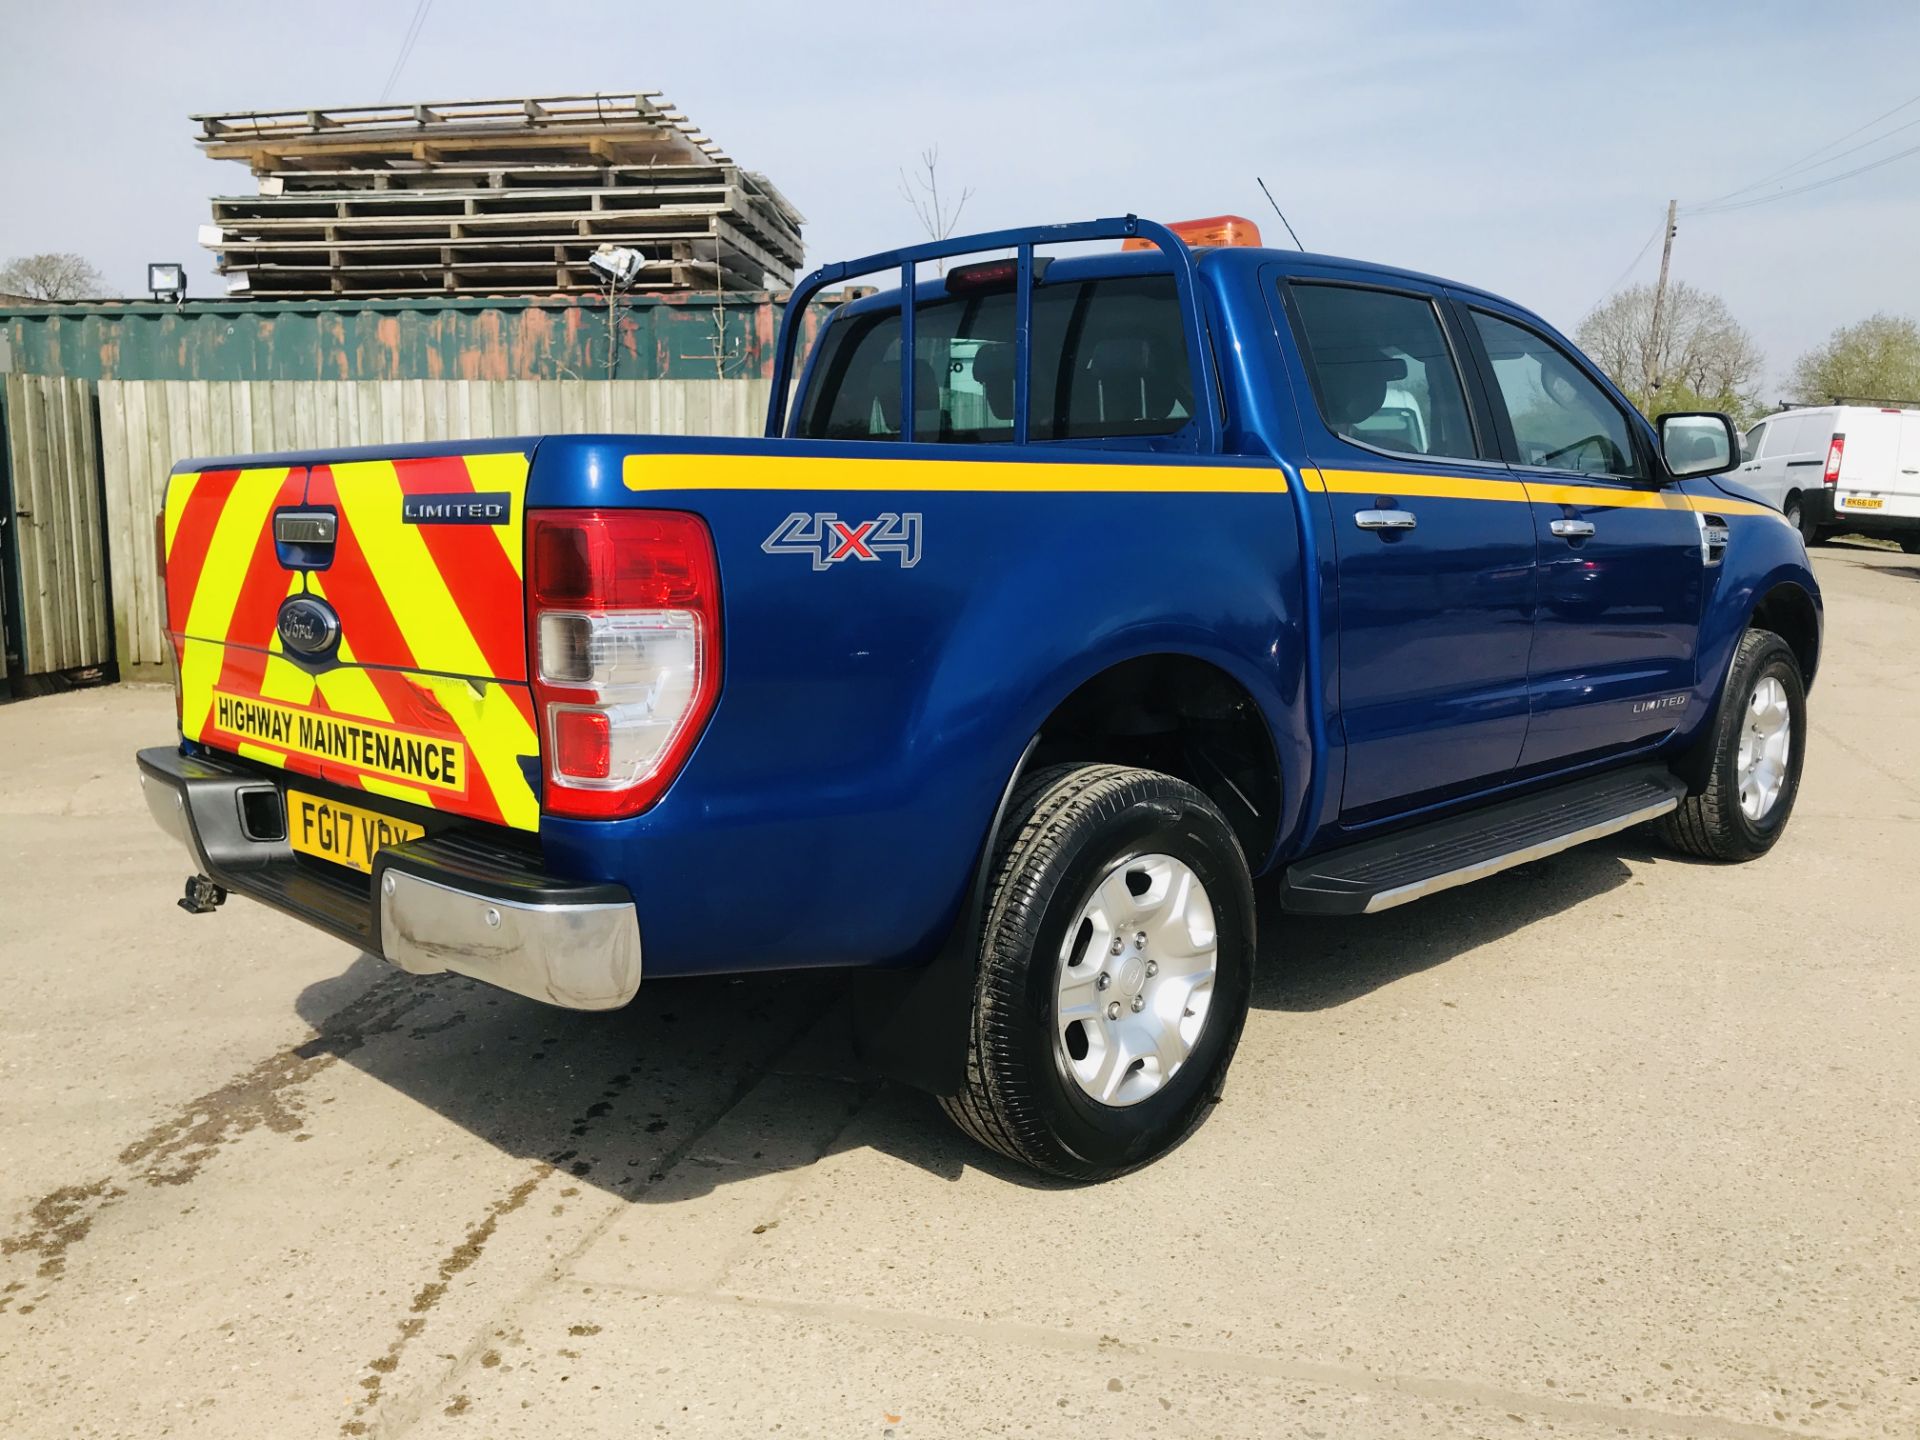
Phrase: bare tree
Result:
[1701,358]
[58,276]
[922,192]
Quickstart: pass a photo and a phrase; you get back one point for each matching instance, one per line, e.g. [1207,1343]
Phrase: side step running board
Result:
[1379,874]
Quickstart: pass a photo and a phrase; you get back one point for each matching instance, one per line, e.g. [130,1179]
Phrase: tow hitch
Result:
[203,897]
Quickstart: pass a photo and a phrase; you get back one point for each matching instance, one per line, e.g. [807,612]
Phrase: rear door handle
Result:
[1572,529]
[1384,519]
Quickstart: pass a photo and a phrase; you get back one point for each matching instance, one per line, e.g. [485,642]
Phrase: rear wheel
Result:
[1797,515]
[1114,975]
[1757,741]
[1910,544]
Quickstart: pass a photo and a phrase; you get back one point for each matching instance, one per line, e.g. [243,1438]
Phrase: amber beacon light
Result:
[1214,230]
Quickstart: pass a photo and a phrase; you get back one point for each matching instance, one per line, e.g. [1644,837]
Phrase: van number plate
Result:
[1861,502]
[344,834]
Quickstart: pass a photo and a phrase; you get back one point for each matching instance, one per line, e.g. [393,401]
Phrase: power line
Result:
[1828,160]
[1640,255]
[406,47]
[1812,185]
[1793,167]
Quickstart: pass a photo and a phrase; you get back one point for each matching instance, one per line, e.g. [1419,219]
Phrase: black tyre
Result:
[1796,516]
[1115,970]
[1755,747]
[1910,544]
[1812,533]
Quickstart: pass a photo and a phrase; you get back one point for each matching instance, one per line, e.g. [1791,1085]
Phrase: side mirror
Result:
[1698,442]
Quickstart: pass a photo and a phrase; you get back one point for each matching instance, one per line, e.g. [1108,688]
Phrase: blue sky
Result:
[1527,148]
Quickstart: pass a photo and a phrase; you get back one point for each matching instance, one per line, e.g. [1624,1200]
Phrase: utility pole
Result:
[1649,369]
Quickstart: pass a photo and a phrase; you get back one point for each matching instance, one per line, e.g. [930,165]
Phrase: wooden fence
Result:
[147,425]
[52,541]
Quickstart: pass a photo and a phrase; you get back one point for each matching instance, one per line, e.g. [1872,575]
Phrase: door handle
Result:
[1572,529]
[1384,519]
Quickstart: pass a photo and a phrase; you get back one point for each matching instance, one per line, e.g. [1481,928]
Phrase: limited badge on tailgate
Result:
[344,834]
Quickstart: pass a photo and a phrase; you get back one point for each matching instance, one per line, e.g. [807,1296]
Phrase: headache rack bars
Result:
[1204,432]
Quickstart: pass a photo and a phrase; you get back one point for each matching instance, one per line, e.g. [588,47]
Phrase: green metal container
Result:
[508,338]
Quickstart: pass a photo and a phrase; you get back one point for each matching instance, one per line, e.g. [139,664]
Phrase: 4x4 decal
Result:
[828,539]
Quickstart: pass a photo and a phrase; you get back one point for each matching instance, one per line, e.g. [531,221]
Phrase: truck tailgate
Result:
[361,621]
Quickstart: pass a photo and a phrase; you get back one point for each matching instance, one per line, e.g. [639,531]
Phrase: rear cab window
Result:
[1109,362]
[1383,373]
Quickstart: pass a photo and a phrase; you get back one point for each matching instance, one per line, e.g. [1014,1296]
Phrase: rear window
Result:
[1382,371]
[1109,361]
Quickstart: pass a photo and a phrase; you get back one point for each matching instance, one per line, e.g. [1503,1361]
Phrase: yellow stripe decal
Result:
[1462,487]
[817,472]
[820,472]
[1433,487]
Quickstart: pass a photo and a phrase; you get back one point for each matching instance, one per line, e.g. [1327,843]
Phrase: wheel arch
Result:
[1184,716]
[1789,612]
[1164,709]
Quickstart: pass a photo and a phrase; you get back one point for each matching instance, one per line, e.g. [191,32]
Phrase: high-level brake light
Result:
[992,275]
[1835,451]
[623,618]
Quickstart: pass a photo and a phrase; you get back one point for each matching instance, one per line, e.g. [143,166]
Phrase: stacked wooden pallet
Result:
[490,197]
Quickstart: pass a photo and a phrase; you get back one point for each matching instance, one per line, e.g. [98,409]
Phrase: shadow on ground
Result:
[618,1100]
[1314,963]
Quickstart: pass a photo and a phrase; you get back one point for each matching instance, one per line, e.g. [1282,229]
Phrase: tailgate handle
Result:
[304,538]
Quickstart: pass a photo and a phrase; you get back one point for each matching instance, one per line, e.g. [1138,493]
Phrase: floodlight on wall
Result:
[167,283]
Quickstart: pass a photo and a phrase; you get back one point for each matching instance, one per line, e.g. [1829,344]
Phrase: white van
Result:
[1840,468]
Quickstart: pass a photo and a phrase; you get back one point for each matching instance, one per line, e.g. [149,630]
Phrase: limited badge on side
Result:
[482,507]
[828,539]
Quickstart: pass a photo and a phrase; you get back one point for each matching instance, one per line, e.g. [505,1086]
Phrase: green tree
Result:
[1702,359]
[1876,359]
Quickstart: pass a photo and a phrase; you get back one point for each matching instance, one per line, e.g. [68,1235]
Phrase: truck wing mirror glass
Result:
[1698,442]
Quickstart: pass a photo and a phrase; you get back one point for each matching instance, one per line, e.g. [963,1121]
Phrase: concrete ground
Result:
[1617,1144]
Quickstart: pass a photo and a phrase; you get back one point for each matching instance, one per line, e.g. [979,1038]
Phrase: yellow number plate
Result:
[1861,502]
[344,834]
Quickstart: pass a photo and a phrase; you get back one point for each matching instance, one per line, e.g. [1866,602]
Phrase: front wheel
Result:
[1115,971]
[1756,743]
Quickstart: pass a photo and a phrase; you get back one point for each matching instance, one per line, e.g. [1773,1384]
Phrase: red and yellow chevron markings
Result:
[428,702]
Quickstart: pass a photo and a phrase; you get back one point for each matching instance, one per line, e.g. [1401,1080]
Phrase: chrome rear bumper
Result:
[442,903]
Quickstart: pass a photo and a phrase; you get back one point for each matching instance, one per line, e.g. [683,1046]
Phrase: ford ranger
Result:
[1072,594]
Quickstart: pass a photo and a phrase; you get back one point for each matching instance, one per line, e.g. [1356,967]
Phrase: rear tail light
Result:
[1835,451]
[623,617]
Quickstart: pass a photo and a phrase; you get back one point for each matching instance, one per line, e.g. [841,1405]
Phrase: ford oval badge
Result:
[308,626]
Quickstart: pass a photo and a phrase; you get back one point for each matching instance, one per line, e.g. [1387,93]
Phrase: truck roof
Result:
[1150,262]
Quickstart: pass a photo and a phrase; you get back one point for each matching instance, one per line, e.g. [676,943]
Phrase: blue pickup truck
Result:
[1075,593]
